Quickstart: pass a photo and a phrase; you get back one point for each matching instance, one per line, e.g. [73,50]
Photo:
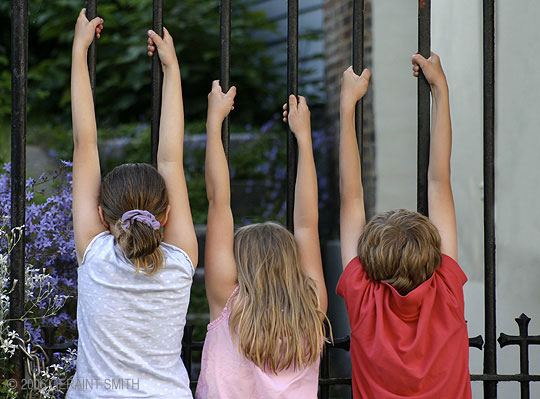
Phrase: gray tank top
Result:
[130,325]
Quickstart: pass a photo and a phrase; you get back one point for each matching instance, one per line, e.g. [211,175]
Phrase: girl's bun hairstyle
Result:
[131,187]
[401,248]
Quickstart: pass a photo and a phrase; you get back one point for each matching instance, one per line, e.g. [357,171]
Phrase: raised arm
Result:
[221,276]
[306,204]
[352,212]
[440,199]
[178,230]
[86,173]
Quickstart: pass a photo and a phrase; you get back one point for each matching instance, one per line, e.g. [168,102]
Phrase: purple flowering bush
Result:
[49,242]
[50,273]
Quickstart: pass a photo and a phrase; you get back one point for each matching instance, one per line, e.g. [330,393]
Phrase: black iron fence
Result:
[487,343]
[490,348]
[19,85]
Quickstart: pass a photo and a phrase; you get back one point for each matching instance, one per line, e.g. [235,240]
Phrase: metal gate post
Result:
[424,48]
[358,66]
[292,88]
[91,13]
[157,81]
[490,348]
[225,65]
[19,87]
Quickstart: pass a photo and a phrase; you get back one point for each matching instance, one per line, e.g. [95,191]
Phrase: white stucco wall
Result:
[457,38]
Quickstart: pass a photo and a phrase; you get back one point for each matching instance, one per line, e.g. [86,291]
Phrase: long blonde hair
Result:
[276,317]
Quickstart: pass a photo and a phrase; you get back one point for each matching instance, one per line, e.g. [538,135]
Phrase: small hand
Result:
[85,30]
[165,47]
[298,115]
[219,103]
[353,86]
[431,68]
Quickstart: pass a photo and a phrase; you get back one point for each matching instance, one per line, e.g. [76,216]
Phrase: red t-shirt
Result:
[412,346]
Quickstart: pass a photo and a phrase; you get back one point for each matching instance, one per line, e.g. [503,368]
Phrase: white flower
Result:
[53,378]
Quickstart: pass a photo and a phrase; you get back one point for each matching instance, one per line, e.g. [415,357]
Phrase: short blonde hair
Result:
[401,248]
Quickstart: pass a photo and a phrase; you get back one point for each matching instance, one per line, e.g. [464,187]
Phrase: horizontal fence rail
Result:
[523,340]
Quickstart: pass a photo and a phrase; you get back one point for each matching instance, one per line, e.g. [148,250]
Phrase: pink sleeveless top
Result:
[227,374]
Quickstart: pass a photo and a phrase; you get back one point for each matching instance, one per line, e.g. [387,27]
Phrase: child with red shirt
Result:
[402,285]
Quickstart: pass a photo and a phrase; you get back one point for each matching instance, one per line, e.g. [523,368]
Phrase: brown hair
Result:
[401,248]
[136,186]
[276,316]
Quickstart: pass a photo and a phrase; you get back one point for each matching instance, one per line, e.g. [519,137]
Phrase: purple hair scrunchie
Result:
[140,216]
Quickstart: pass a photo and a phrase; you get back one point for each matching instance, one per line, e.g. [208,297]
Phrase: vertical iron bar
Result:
[225,57]
[187,349]
[292,88]
[358,65]
[424,48]
[490,348]
[523,323]
[91,13]
[157,80]
[19,86]
[324,390]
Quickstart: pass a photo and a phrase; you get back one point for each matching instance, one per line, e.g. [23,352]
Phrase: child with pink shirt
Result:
[402,285]
[265,286]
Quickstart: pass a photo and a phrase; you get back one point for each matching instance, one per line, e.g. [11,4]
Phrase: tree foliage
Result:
[123,91]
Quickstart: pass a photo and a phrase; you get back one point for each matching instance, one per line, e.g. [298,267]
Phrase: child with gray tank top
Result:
[135,244]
